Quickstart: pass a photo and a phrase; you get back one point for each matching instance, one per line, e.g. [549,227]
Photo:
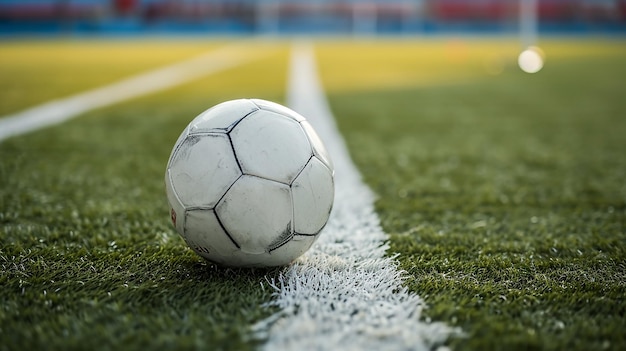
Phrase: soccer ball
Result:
[249,183]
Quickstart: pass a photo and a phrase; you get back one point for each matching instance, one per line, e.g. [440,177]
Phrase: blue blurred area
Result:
[243,17]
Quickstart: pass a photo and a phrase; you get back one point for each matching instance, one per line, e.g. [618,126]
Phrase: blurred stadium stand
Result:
[303,16]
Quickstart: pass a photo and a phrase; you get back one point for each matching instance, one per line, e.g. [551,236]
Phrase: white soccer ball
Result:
[249,183]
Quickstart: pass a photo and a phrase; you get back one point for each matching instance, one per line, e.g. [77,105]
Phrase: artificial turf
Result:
[504,196]
[35,71]
[88,257]
[502,192]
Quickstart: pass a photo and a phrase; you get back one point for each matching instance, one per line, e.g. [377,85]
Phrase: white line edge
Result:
[345,293]
[58,111]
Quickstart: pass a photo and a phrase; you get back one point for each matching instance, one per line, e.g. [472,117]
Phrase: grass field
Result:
[503,194]
[505,197]
[34,73]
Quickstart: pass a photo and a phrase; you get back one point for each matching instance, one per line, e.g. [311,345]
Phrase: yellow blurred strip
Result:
[58,111]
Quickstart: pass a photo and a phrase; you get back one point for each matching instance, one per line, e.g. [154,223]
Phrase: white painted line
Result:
[58,111]
[344,293]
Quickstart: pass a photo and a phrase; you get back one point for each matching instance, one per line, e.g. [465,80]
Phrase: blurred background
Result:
[245,17]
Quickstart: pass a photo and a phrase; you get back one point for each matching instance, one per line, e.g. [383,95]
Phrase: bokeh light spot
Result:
[531,60]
